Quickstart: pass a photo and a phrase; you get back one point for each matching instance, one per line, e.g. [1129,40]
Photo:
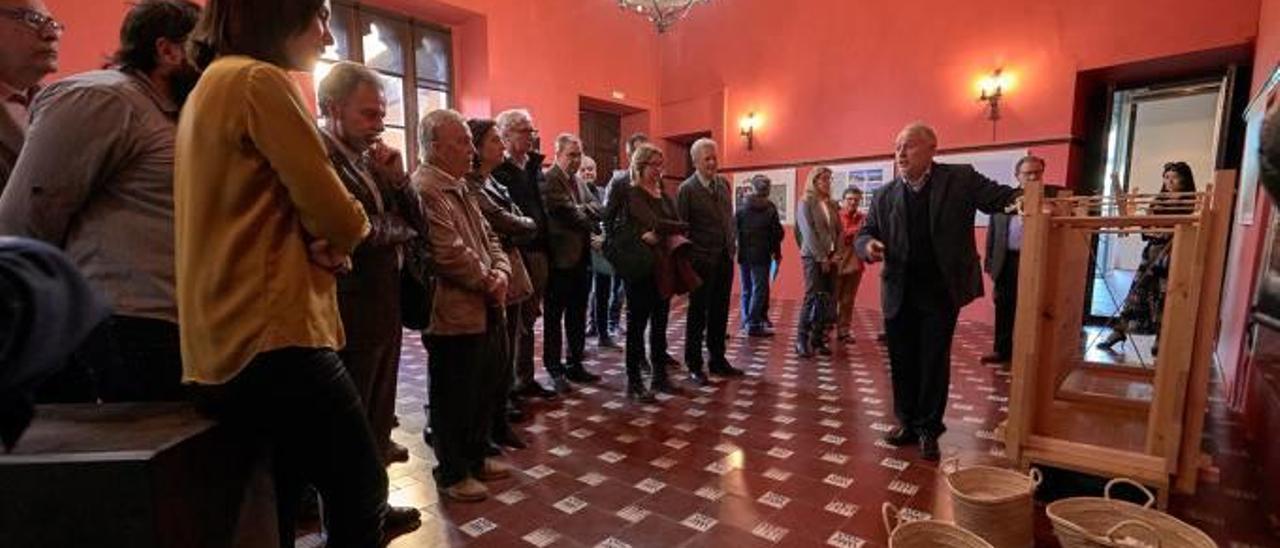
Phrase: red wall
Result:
[836,79]
[539,55]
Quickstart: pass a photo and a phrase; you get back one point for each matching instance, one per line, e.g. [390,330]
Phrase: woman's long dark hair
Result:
[479,128]
[1186,183]
[256,28]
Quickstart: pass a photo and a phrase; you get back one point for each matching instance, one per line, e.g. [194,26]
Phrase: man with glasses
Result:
[1004,243]
[28,52]
[521,174]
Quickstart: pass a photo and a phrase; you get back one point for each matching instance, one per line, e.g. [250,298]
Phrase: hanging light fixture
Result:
[662,13]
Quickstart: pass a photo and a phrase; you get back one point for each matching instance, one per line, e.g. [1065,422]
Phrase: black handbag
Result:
[415,302]
[630,256]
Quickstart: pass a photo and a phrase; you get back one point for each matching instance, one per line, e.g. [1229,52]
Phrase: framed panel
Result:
[782,192]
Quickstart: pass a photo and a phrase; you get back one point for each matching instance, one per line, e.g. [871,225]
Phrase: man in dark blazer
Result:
[573,218]
[705,202]
[353,105]
[1004,245]
[921,226]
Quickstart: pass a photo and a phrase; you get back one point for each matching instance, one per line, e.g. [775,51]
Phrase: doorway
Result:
[1149,127]
[601,134]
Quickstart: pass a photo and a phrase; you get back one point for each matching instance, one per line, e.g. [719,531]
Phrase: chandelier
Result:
[662,13]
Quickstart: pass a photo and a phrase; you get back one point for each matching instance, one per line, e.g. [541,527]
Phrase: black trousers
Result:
[467,388]
[645,306]
[374,364]
[708,312]
[817,312]
[124,359]
[920,363]
[303,403]
[566,318]
[1006,301]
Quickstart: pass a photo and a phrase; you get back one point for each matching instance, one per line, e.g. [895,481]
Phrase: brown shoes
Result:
[493,470]
[397,453]
[467,490]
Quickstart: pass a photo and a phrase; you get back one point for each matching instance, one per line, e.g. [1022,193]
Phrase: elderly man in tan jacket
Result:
[471,276]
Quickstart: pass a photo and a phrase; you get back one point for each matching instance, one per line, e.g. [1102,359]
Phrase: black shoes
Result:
[699,378]
[579,375]
[503,435]
[723,369]
[606,342]
[638,393]
[533,389]
[667,360]
[994,357]
[822,349]
[901,437]
[560,384]
[398,521]
[664,386]
[802,347]
[929,448]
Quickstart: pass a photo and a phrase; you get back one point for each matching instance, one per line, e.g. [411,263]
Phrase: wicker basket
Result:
[1092,522]
[926,534]
[994,503]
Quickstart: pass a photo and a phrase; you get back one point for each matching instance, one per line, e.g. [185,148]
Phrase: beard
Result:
[181,82]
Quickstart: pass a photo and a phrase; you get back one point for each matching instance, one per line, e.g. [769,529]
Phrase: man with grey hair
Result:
[573,221]
[29,38]
[471,272]
[705,202]
[921,226]
[521,174]
[1004,247]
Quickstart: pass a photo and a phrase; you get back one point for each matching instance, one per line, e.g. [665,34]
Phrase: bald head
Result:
[914,149]
[28,43]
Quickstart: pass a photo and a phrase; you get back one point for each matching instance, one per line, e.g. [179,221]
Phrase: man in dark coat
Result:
[521,174]
[759,244]
[921,226]
[353,106]
[705,202]
[1004,245]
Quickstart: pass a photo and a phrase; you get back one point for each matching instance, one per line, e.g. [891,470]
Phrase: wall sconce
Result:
[992,88]
[747,128]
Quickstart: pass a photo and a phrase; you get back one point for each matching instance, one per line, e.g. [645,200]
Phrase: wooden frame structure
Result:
[1150,429]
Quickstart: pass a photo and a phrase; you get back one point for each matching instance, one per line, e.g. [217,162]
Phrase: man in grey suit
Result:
[573,220]
[1004,245]
[29,38]
[705,202]
[921,226]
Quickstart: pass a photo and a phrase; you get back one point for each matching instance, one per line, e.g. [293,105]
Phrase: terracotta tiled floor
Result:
[788,455]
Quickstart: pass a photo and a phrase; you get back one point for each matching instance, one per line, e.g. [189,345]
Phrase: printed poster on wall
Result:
[782,191]
[866,176]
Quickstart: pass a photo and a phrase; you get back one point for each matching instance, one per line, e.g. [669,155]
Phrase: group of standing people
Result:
[263,265]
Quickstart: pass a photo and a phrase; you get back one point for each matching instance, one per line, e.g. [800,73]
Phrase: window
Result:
[413,59]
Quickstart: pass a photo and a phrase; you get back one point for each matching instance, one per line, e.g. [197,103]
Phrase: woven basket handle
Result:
[1151,499]
[891,520]
[1152,535]
[950,465]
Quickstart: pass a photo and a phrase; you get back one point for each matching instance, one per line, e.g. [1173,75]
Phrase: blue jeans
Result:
[755,294]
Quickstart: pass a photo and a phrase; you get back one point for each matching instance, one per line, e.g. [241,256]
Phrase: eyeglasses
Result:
[34,20]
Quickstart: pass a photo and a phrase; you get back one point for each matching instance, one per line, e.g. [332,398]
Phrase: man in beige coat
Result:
[467,322]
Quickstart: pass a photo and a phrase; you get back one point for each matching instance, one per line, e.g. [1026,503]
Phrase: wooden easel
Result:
[1154,437]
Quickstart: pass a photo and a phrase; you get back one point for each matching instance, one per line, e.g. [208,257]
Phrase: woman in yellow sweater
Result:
[262,224]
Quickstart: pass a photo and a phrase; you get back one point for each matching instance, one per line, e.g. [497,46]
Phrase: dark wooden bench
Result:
[134,475]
